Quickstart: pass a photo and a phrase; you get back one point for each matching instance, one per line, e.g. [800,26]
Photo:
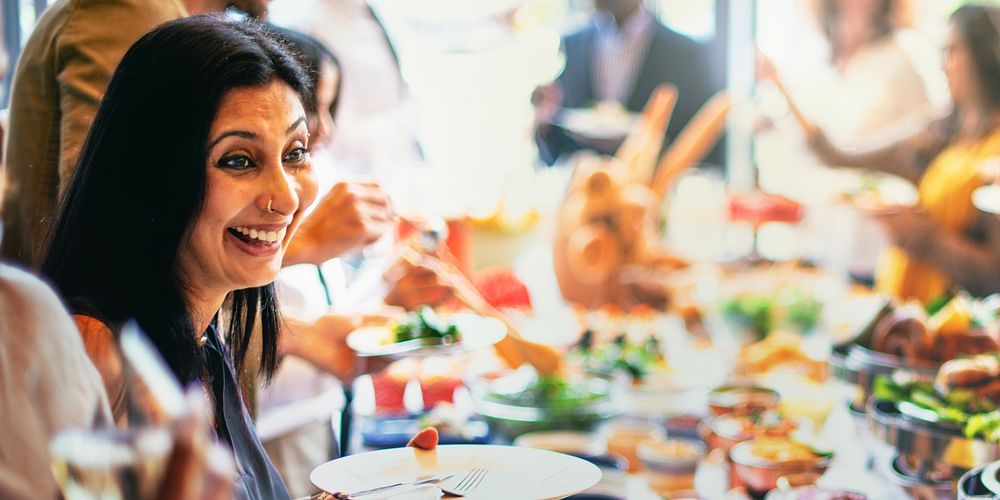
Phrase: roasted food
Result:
[978,374]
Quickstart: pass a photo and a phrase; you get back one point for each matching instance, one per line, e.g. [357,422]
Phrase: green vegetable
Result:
[425,323]
[635,359]
[936,304]
[762,313]
[979,417]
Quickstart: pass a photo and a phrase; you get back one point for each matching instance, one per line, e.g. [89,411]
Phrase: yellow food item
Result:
[954,318]
[780,450]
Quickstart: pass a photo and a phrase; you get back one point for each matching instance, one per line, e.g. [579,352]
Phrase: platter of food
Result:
[524,401]
[877,193]
[428,333]
[907,338]
[606,120]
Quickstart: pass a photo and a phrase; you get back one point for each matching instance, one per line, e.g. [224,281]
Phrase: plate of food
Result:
[877,193]
[428,333]
[607,120]
[524,401]
[496,471]
[987,198]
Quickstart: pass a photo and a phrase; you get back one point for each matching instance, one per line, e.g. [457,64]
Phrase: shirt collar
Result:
[635,25]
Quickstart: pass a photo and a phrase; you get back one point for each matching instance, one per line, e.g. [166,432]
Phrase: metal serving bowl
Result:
[859,365]
[917,487]
[760,475]
[971,486]
[929,448]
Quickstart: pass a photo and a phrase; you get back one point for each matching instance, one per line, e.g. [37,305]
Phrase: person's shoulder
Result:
[127,17]
[578,33]
[26,292]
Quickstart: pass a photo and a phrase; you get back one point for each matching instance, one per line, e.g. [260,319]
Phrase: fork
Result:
[471,481]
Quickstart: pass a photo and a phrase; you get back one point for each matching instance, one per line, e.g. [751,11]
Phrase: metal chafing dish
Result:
[972,486]
[861,365]
[898,474]
[927,451]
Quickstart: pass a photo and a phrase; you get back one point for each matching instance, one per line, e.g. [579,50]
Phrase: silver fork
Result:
[470,482]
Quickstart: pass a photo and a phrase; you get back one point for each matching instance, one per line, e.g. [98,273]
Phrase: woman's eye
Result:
[297,155]
[235,162]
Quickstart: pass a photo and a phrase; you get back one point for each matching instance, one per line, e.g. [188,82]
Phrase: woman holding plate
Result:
[944,242]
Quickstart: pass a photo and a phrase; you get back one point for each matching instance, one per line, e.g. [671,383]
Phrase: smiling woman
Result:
[191,183]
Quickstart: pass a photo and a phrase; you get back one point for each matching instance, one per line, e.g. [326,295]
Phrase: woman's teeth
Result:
[265,236]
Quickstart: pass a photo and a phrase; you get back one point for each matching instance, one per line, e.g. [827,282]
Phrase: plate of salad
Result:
[426,332]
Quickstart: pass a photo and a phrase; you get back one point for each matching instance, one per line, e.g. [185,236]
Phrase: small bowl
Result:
[623,437]
[671,463]
[760,475]
[742,399]
[725,431]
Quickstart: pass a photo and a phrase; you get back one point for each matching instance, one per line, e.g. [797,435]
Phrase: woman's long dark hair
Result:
[141,180]
[312,53]
[979,27]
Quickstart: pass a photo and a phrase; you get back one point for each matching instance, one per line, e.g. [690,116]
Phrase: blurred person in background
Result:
[945,242]
[871,88]
[302,397]
[879,79]
[621,56]
[60,78]
[375,100]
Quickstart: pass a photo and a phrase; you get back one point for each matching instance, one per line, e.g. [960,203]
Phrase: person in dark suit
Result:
[623,55]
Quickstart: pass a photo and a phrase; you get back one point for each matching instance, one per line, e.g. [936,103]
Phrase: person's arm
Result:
[897,158]
[351,215]
[323,343]
[969,264]
[93,40]
[102,349]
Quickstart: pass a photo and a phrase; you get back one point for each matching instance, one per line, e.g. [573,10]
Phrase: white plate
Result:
[595,124]
[987,199]
[891,194]
[513,472]
[476,331]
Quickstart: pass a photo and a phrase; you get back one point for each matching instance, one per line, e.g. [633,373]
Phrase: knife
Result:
[433,479]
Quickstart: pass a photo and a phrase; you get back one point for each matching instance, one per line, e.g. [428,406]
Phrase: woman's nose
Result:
[278,194]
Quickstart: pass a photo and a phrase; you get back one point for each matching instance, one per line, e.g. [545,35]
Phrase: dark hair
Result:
[979,28]
[885,23]
[140,184]
[312,53]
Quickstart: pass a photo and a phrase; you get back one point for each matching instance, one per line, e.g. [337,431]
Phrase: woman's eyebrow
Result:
[231,133]
[295,124]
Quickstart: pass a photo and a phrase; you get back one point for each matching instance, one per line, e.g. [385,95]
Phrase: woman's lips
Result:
[258,241]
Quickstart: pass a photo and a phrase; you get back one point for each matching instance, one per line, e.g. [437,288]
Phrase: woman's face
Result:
[259,181]
[959,68]
[321,127]
[859,11]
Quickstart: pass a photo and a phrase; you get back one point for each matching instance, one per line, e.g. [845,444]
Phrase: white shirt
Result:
[620,52]
[376,121]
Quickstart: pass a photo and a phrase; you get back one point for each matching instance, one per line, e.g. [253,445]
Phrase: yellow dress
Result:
[946,196]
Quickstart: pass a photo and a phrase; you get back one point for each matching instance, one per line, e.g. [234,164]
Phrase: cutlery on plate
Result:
[470,482]
[380,489]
